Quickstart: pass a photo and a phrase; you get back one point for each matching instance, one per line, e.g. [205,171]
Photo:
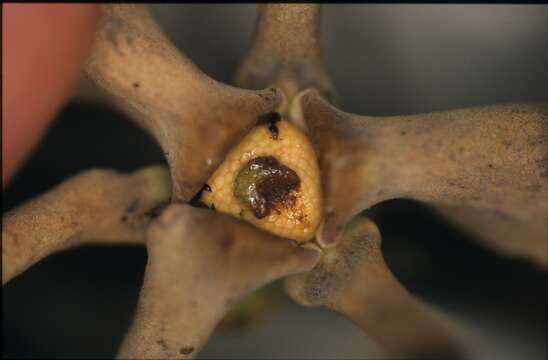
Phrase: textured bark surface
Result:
[286,51]
[353,279]
[99,206]
[194,118]
[484,167]
[200,264]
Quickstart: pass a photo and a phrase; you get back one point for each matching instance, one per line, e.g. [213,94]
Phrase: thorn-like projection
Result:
[194,118]
[200,264]
[286,51]
[353,279]
[99,206]
[484,167]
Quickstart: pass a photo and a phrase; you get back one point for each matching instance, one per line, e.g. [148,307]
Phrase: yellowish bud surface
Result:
[299,212]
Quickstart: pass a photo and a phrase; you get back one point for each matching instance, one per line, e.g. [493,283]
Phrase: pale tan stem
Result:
[485,167]
[96,206]
[286,51]
[194,118]
[353,279]
[200,264]
[381,306]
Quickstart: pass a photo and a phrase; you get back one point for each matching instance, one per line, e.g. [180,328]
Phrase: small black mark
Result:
[136,85]
[186,350]
[157,210]
[163,344]
[490,165]
[130,209]
[196,200]
[270,119]
[133,206]
[274,132]
[403,133]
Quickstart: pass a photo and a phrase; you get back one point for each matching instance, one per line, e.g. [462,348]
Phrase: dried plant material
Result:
[353,279]
[485,167]
[195,119]
[286,51]
[200,264]
[252,309]
[99,206]
[272,180]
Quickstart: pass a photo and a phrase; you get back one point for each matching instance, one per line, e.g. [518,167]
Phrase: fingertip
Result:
[44,46]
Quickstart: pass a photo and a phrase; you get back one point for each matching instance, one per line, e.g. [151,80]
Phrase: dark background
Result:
[385,60]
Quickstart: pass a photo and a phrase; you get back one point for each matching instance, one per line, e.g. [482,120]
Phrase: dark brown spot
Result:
[186,350]
[132,206]
[264,185]
[490,165]
[227,242]
[273,131]
[136,85]
[130,209]
[403,132]
[163,344]
[270,119]
[157,210]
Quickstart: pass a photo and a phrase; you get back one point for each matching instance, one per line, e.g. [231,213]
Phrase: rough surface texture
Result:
[195,119]
[265,185]
[286,51]
[200,264]
[484,167]
[99,206]
[293,150]
[353,279]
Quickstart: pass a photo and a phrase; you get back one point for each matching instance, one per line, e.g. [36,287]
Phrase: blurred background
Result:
[385,60]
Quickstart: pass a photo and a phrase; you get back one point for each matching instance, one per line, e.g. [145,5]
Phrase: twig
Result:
[286,51]
[99,206]
[353,279]
[485,167]
[195,119]
[200,263]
